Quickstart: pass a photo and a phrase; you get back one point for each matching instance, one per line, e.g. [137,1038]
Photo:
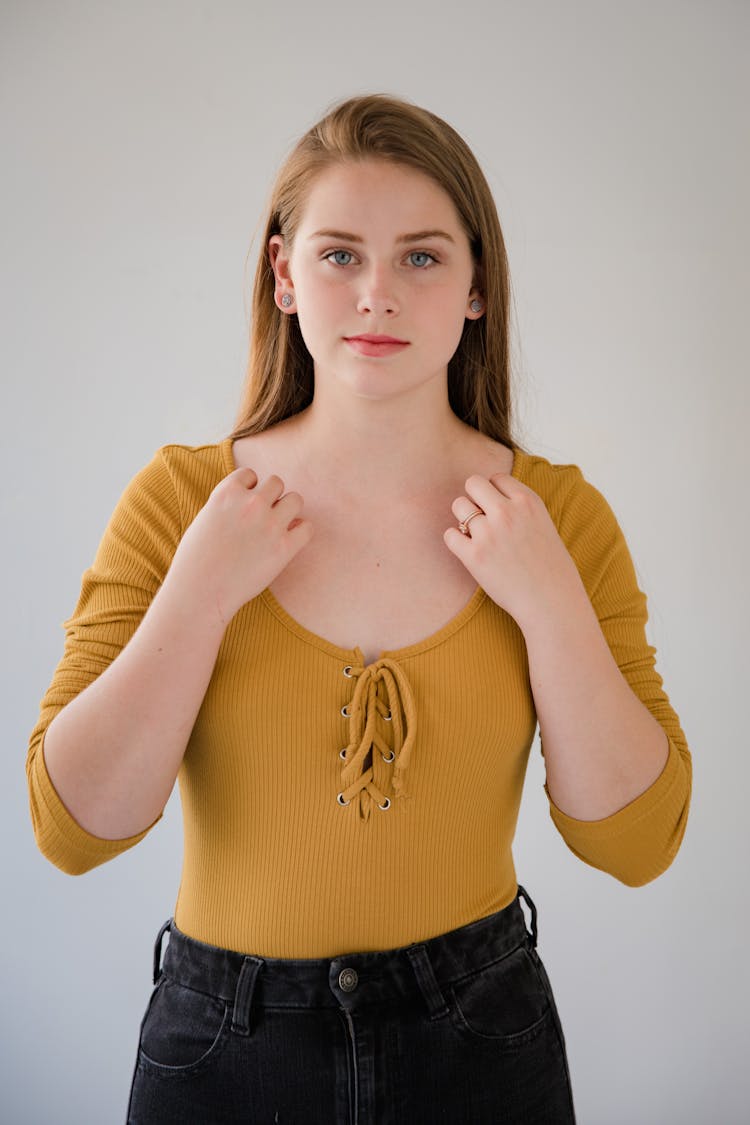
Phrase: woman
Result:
[338,628]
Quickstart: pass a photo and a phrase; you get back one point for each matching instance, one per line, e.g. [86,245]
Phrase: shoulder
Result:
[194,462]
[553,481]
[188,472]
[571,499]
[169,491]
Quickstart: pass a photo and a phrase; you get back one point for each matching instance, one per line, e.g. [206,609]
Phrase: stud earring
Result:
[476,306]
[287,300]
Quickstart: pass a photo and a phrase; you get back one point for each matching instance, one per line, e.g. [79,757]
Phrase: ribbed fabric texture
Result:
[436,739]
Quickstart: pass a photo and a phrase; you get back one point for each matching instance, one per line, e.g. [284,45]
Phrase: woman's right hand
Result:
[242,538]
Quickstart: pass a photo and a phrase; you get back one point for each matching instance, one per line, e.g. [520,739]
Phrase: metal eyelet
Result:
[344,711]
[389,716]
[348,671]
[342,754]
[387,804]
[390,757]
[341,800]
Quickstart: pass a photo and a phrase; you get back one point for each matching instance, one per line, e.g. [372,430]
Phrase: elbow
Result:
[65,844]
[641,876]
[659,857]
[68,863]
[625,870]
[637,858]
[76,852]
[59,849]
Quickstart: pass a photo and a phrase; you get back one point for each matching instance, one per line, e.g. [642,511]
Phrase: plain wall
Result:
[139,142]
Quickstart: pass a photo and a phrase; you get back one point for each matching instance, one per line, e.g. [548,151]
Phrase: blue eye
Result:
[421,254]
[335,254]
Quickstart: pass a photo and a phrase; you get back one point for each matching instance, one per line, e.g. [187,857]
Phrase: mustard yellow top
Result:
[435,740]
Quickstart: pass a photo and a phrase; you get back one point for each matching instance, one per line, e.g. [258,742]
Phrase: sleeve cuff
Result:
[640,840]
[60,837]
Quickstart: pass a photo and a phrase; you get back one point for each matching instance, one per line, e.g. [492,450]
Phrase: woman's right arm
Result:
[113,750]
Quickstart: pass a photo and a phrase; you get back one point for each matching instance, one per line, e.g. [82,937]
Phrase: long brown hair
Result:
[279,379]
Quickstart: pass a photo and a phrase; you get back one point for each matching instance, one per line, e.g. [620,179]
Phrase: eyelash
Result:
[425,253]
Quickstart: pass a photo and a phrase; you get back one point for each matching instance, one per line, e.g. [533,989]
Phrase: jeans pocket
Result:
[505,1001]
[183,1030]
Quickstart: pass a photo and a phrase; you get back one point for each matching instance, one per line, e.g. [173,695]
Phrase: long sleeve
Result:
[638,842]
[130,564]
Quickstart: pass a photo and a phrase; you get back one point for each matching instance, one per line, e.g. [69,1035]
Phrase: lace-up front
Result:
[382,727]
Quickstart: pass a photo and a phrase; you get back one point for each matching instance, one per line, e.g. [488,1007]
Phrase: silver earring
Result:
[287,300]
[476,306]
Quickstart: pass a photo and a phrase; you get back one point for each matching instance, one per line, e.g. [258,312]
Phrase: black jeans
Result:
[461,1029]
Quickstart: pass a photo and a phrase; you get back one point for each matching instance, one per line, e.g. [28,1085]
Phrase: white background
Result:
[138,144]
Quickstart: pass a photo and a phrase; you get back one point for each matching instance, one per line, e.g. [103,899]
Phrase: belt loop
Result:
[243,996]
[427,981]
[157,948]
[524,895]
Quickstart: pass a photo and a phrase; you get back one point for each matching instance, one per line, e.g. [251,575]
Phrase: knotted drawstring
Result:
[368,758]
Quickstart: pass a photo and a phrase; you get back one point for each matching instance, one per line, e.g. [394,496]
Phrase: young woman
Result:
[338,629]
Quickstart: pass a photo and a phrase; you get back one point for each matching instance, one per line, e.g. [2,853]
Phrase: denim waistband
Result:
[350,981]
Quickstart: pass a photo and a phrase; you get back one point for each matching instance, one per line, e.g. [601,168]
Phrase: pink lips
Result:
[375,345]
[377,339]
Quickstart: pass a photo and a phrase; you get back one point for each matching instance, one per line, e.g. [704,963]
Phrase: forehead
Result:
[377,192]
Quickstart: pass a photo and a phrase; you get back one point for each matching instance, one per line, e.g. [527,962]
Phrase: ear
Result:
[279,259]
[476,293]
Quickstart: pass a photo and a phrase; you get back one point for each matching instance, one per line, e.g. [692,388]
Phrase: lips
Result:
[377,346]
[368,339]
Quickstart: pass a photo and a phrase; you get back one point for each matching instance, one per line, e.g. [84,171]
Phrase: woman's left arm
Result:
[602,746]
[617,764]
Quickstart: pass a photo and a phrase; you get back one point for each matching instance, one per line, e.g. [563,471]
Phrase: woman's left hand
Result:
[513,550]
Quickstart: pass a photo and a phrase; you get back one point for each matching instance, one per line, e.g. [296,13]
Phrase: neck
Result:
[386,452]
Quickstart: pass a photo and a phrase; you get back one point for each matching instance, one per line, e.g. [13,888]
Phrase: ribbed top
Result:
[331,806]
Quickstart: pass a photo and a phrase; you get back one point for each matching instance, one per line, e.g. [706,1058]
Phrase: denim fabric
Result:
[461,1029]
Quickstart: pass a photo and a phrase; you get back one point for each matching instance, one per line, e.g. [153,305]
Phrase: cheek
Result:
[446,312]
[321,294]
[319,316]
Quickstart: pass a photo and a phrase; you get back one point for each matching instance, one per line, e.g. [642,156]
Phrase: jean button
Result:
[348,980]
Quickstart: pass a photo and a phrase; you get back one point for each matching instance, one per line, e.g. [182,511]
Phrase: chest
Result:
[380,584]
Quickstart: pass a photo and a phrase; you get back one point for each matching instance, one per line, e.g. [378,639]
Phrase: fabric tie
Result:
[373,768]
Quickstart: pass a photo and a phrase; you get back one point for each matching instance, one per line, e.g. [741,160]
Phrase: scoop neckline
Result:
[442,634]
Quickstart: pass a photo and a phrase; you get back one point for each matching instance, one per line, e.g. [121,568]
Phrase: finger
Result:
[290,502]
[485,493]
[272,488]
[509,486]
[463,508]
[245,476]
[299,533]
[457,542]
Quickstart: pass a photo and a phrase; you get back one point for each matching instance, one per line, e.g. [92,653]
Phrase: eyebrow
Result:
[416,236]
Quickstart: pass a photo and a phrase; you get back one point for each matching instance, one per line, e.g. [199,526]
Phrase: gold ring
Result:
[463,527]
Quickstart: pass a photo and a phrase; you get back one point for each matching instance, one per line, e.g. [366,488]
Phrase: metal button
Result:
[348,980]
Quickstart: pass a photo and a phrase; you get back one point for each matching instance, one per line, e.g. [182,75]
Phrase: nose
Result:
[378,295]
